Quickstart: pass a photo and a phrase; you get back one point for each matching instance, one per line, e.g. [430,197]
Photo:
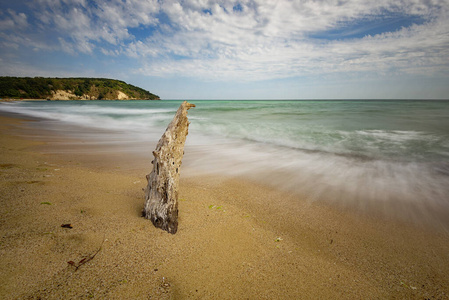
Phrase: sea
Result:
[382,157]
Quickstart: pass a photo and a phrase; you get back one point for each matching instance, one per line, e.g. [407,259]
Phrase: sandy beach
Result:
[236,239]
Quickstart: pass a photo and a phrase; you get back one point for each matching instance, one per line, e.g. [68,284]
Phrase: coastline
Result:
[67,99]
[236,238]
[14,100]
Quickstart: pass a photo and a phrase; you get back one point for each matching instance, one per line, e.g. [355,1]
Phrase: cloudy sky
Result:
[248,49]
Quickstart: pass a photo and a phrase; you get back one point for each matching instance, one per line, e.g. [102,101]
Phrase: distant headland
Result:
[71,89]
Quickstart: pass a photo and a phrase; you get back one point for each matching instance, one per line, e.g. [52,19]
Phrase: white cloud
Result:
[13,20]
[88,24]
[260,40]
[20,19]
[264,42]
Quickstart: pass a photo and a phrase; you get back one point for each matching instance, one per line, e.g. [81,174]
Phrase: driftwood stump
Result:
[161,194]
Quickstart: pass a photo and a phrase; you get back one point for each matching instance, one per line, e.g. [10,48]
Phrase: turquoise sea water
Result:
[390,156]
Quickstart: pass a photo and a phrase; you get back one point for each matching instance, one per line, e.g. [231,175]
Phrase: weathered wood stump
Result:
[161,193]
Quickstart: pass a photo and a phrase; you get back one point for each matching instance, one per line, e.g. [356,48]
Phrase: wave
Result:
[383,144]
[95,116]
[262,123]
[413,191]
[395,170]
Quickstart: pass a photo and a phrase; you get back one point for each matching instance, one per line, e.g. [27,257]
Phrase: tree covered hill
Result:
[71,89]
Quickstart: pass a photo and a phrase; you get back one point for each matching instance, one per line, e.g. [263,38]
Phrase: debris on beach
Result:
[161,193]
[86,258]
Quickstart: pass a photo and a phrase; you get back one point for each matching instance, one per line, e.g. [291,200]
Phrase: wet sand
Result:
[236,239]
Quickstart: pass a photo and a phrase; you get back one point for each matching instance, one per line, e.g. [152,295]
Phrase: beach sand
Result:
[236,239]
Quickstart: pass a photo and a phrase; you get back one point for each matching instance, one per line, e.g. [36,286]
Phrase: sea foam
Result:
[380,157]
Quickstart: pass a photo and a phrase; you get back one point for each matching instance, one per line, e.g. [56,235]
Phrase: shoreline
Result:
[236,238]
[20,100]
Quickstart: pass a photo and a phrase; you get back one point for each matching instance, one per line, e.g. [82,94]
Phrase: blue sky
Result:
[249,49]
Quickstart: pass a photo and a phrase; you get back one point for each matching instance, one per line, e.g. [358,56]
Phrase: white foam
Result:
[319,163]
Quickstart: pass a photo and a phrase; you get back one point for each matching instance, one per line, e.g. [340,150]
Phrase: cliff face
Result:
[66,95]
[71,89]
[69,95]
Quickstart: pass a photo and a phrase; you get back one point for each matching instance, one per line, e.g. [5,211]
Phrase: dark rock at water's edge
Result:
[71,89]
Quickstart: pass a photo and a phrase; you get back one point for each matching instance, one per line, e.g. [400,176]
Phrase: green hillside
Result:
[71,89]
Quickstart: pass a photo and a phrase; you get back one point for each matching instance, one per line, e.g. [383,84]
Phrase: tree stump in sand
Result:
[161,193]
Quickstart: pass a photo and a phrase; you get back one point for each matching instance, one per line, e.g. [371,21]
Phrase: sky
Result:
[248,49]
